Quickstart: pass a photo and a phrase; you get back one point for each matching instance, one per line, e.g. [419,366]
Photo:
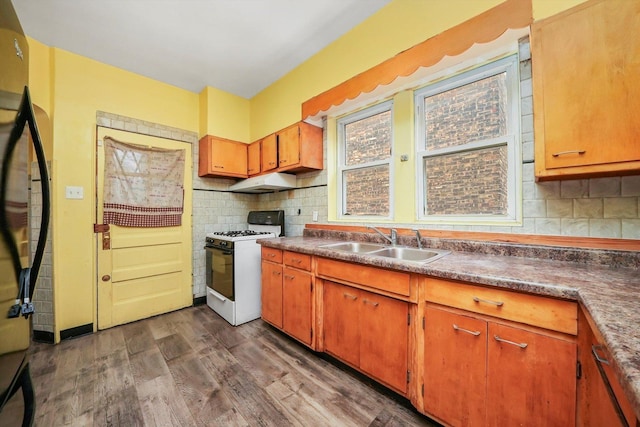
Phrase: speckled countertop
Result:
[605,282]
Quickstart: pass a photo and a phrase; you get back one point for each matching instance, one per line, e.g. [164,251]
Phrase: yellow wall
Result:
[78,88]
[225,115]
[394,28]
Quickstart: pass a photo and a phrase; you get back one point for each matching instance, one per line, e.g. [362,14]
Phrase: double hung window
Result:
[467,129]
[364,162]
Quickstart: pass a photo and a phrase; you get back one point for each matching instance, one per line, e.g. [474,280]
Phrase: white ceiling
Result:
[239,46]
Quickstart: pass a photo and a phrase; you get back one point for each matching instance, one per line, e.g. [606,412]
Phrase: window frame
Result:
[513,216]
[342,166]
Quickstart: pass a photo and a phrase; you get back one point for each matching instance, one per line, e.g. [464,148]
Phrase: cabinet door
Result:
[222,157]
[341,322]
[455,349]
[269,153]
[253,158]
[529,377]
[272,293]
[595,405]
[296,306]
[586,88]
[384,338]
[289,146]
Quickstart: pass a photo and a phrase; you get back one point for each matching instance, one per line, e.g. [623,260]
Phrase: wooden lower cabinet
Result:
[596,404]
[480,372]
[296,304]
[368,331]
[272,293]
[455,367]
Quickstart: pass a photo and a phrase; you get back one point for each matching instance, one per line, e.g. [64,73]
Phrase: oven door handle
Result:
[224,252]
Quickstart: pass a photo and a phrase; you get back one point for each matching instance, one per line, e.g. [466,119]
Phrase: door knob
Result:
[106,278]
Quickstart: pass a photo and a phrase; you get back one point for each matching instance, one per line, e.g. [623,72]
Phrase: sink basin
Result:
[410,254]
[357,247]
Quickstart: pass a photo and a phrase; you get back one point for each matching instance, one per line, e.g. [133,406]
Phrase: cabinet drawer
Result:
[271,254]
[297,260]
[386,280]
[533,310]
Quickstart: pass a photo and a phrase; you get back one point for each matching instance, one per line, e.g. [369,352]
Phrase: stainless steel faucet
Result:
[394,235]
[418,238]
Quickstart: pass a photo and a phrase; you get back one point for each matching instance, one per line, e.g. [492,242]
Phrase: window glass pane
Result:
[467,183]
[367,191]
[368,139]
[473,112]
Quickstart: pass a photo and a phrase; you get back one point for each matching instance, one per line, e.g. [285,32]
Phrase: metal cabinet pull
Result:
[271,255]
[296,260]
[496,303]
[353,297]
[607,384]
[276,273]
[286,276]
[569,152]
[458,328]
[521,345]
[366,301]
[594,350]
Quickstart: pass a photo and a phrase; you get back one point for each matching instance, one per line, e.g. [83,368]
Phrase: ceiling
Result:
[239,46]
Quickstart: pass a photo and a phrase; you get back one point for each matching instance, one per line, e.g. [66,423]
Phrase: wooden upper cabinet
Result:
[269,153]
[254,158]
[222,157]
[586,91]
[300,148]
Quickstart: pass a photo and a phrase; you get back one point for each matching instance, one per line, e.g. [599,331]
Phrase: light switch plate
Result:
[315,216]
[72,192]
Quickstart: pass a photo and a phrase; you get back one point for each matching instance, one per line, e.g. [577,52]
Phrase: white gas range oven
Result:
[234,267]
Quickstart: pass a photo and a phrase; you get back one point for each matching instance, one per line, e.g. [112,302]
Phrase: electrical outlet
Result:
[72,192]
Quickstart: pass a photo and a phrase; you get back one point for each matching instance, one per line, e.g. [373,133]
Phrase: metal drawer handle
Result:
[496,303]
[296,260]
[218,166]
[458,328]
[366,301]
[353,297]
[594,350]
[286,276]
[276,273]
[521,345]
[569,152]
[271,255]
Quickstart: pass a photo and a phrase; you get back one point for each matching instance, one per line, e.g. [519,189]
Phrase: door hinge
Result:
[422,391]
[578,370]
[100,228]
[311,331]
[422,322]
[311,286]
[408,318]
[408,376]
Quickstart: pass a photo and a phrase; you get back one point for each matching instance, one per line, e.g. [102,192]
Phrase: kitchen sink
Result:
[357,247]
[410,254]
[395,252]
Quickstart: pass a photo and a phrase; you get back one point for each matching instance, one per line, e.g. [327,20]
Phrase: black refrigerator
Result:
[20,257]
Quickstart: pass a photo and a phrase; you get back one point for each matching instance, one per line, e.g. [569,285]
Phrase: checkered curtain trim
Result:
[143,185]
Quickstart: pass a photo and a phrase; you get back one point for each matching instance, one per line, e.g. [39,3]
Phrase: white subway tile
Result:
[621,207]
[605,228]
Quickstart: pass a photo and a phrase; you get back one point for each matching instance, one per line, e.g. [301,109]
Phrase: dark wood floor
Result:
[191,368]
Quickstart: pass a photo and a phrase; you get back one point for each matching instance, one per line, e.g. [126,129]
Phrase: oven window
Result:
[220,271]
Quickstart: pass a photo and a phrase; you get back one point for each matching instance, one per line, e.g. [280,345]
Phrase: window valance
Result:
[483,28]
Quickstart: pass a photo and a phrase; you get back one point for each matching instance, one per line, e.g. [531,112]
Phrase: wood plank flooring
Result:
[191,368]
